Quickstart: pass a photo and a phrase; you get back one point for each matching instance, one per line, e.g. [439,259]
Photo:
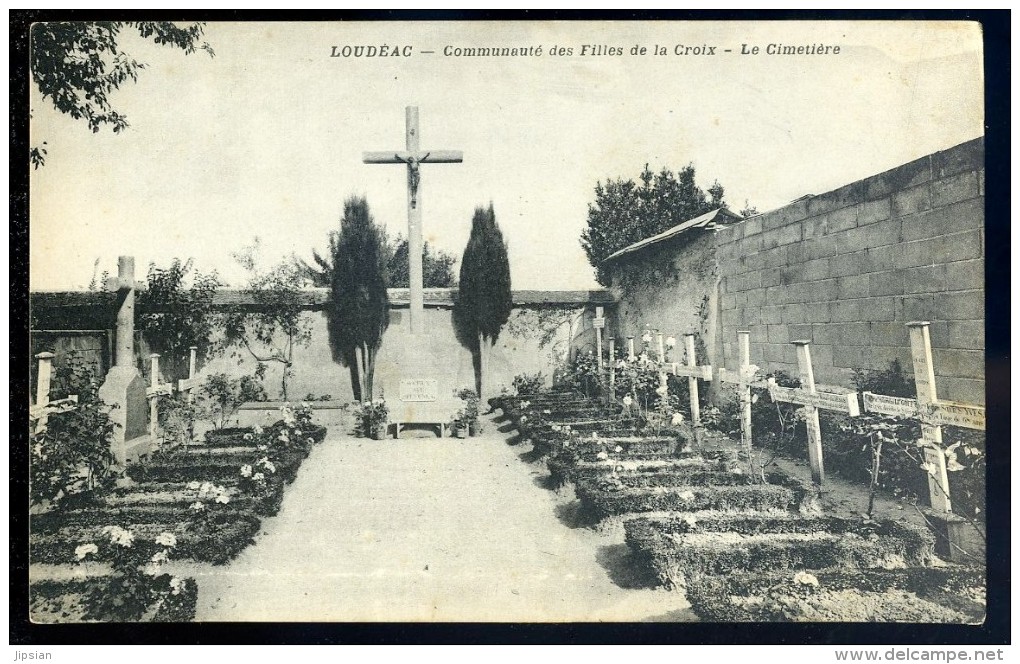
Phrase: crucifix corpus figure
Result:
[413,158]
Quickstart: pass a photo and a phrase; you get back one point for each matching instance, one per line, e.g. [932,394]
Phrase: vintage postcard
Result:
[515,321]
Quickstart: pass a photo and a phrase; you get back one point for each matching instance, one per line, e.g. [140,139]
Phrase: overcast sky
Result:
[266,137]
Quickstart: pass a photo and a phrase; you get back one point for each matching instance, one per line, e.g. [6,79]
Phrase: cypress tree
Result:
[484,298]
[360,313]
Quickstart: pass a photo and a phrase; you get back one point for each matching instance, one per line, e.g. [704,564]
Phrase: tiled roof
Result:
[721,216]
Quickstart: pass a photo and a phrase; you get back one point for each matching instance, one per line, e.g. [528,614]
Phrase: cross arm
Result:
[402,157]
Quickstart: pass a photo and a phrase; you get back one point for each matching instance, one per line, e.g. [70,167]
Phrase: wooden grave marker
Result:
[693,371]
[154,392]
[811,400]
[743,378]
[932,412]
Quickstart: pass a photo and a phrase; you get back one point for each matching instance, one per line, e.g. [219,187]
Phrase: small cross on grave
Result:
[124,387]
[693,372]
[932,412]
[155,390]
[743,378]
[612,367]
[43,407]
[186,385]
[599,323]
[811,400]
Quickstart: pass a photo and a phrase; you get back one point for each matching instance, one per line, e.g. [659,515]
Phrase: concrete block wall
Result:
[847,269]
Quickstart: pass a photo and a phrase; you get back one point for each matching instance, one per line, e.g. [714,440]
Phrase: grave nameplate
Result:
[845,403]
[419,389]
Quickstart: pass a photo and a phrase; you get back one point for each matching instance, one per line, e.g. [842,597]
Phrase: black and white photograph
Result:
[525,321]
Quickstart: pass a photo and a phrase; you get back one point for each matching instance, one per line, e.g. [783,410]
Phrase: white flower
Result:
[84,550]
[304,404]
[268,465]
[928,467]
[805,579]
[206,488]
[159,558]
[754,398]
[119,536]
[751,370]
[311,441]
[167,539]
[223,499]
[525,404]
[245,470]
[643,357]
[176,586]
[677,419]
[524,418]
[283,437]
[601,456]
[555,427]
[257,429]
[953,465]
[690,521]
[258,477]
[646,337]
[198,507]
[661,390]
[566,428]
[622,364]
[686,496]
[248,436]
[594,435]
[618,449]
[194,485]
[670,342]
[627,401]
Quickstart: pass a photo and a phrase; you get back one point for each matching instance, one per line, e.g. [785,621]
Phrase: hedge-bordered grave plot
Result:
[201,503]
[744,545]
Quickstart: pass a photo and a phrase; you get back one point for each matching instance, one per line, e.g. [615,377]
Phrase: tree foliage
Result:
[360,313]
[625,212]
[484,298]
[77,65]
[437,265]
[178,314]
[276,325]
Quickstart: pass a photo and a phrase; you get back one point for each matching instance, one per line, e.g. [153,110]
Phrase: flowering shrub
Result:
[71,454]
[582,375]
[256,479]
[528,383]
[221,396]
[138,585]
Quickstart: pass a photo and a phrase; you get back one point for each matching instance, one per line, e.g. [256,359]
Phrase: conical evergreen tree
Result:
[484,299]
[360,313]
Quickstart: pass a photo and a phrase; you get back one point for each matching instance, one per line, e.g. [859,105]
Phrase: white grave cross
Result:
[413,157]
[811,400]
[744,379]
[693,372]
[932,412]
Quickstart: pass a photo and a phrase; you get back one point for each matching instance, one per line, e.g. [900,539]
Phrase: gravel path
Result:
[427,529]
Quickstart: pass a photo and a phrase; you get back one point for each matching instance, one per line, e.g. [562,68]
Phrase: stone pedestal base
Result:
[124,390]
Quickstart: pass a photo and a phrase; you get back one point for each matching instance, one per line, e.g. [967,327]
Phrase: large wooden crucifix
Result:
[413,157]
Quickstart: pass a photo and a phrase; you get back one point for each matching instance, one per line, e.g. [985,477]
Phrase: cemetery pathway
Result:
[426,529]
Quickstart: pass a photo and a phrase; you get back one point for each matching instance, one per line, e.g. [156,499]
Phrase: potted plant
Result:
[377,419]
[459,425]
[469,414]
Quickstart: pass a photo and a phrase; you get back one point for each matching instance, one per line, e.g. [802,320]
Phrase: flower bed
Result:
[566,467]
[217,539]
[600,499]
[64,601]
[917,594]
[678,548]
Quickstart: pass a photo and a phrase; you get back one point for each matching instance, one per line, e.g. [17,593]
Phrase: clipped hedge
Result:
[217,540]
[915,594]
[678,548]
[228,437]
[52,601]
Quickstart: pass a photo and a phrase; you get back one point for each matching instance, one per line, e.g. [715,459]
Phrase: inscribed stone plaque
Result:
[419,389]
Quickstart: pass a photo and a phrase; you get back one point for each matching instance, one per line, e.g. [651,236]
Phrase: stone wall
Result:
[544,327]
[848,268]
